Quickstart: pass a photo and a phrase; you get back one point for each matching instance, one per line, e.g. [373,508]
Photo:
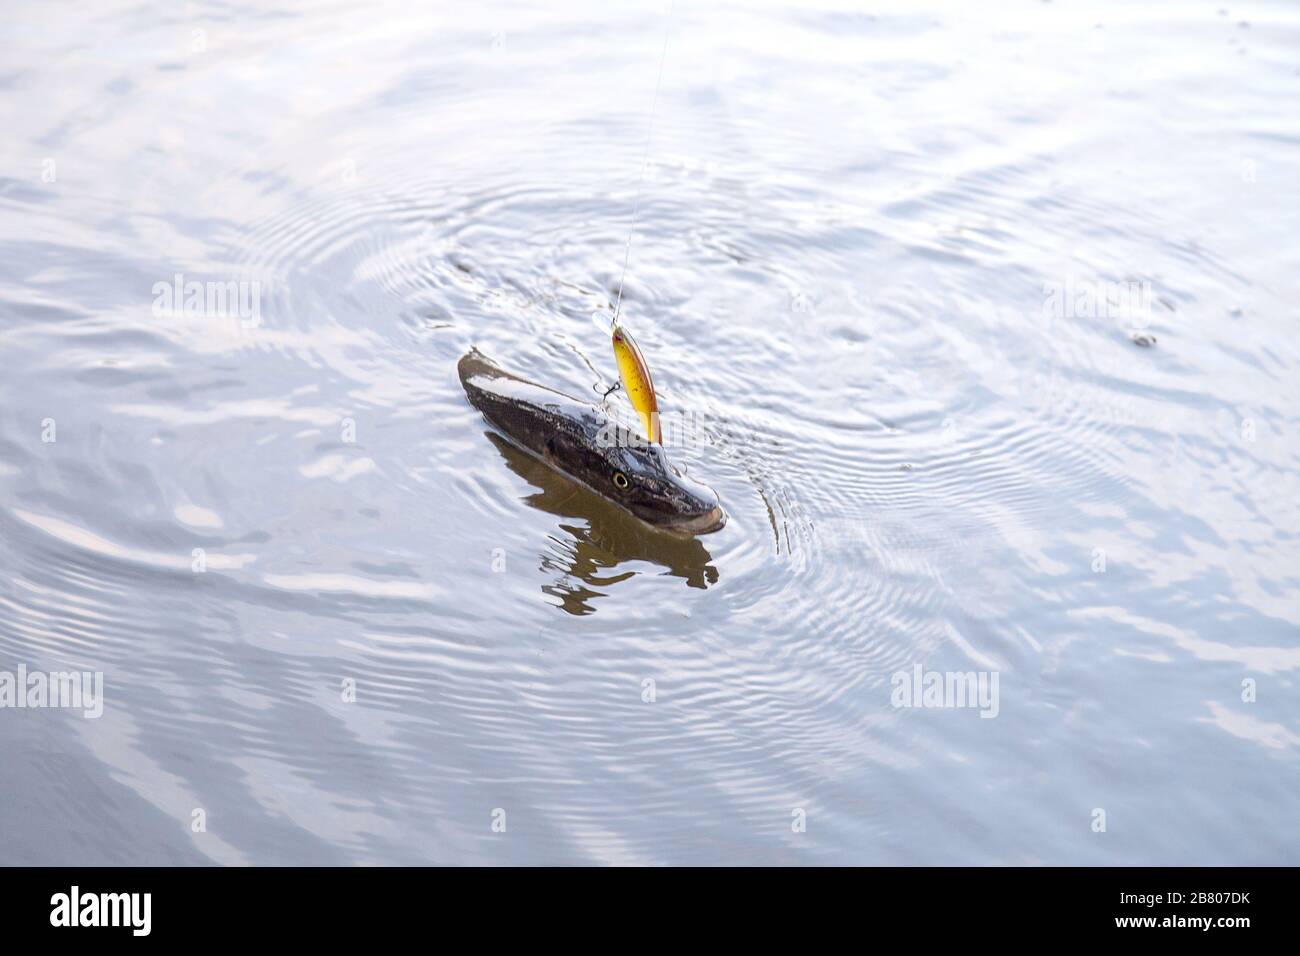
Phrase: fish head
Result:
[644,481]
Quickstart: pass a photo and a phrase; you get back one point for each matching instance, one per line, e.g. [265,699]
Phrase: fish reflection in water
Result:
[610,538]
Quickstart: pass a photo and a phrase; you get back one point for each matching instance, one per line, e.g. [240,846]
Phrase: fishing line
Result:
[645,158]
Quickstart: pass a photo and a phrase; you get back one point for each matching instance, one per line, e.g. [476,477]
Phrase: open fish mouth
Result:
[706,523]
[574,437]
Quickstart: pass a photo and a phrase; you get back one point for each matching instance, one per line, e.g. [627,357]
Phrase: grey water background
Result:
[873,277]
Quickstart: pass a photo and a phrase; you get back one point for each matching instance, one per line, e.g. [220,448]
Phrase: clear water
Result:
[889,274]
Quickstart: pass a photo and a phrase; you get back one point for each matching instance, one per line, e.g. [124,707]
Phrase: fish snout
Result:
[700,511]
[706,522]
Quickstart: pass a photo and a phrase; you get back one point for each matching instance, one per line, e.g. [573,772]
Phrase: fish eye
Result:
[620,480]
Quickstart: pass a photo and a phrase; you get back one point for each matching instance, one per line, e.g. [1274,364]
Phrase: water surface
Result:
[890,267]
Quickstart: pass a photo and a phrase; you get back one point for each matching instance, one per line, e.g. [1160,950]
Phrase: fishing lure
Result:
[634,373]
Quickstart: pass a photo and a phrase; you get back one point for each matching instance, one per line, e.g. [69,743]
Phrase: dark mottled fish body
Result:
[582,441]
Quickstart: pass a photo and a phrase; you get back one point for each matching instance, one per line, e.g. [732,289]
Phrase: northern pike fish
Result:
[582,441]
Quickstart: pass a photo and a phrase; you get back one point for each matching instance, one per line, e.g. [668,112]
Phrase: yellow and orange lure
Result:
[634,373]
